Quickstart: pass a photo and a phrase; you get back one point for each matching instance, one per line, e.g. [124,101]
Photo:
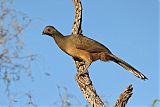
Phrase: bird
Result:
[87,49]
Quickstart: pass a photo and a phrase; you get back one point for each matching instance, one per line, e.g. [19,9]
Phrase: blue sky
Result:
[129,28]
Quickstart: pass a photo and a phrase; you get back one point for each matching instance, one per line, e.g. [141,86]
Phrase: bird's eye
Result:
[49,30]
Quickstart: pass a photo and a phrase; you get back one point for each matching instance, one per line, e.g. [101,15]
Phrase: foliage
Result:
[153,104]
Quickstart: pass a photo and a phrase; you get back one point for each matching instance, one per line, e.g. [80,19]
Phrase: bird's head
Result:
[49,30]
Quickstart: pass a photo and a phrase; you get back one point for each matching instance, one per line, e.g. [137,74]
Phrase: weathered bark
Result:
[76,29]
[84,81]
[124,97]
[89,92]
[86,86]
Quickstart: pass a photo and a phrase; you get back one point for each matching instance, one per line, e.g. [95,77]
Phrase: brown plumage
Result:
[86,49]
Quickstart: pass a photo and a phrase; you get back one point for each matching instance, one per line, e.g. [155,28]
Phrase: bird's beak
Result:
[43,33]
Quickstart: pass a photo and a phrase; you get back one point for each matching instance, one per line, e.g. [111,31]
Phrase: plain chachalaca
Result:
[86,49]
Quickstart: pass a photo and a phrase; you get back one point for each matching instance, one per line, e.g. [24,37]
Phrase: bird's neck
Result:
[60,40]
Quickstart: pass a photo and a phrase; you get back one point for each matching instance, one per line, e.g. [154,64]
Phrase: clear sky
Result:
[129,28]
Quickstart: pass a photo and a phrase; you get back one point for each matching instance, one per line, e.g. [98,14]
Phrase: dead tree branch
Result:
[13,62]
[76,29]
[86,86]
[84,81]
[124,97]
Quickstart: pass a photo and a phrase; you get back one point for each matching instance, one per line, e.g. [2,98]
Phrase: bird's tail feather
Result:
[127,67]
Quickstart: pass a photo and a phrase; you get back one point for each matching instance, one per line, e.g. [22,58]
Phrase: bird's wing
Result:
[90,45]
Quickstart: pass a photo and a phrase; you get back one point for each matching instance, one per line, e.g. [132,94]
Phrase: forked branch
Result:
[84,81]
[89,92]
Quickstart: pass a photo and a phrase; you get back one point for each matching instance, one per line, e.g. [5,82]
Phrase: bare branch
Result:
[76,28]
[12,63]
[30,101]
[86,86]
[84,81]
[89,91]
[124,97]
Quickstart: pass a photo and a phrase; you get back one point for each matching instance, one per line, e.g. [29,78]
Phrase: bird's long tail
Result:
[127,66]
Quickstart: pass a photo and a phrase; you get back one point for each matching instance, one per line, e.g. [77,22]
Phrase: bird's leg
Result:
[85,69]
[82,56]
